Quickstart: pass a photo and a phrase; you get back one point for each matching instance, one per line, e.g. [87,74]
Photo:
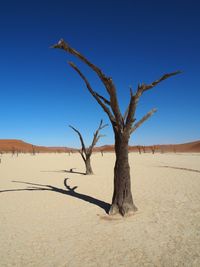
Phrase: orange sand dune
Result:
[12,145]
[186,147]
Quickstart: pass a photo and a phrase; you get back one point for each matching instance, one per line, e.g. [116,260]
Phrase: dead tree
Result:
[13,151]
[123,126]
[153,149]
[87,152]
[33,150]
[174,149]
[139,149]
[144,149]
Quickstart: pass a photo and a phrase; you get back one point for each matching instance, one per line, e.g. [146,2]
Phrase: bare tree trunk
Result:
[122,201]
[88,166]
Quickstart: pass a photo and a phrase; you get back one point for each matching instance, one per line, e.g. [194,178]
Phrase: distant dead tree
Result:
[13,151]
[123,126]
[102,153]
[139,149]
[87,152]
[144,149]
[33,150]
[153,149]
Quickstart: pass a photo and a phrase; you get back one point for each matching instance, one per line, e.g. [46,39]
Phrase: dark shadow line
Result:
[179,168]
[70,192]
[75,172]
[21,189]
[66,171]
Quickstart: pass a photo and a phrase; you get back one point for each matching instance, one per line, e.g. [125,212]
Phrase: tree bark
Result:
[88,166]
[122,200]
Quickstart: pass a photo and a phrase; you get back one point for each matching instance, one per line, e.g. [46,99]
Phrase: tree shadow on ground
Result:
[72,171]
[69,192]
[68,171]
[180,168]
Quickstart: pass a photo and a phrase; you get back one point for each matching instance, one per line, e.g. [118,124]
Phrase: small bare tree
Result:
[87,152]
[123,126]
[144,149]
[33,150]
[139,149]
[153,149]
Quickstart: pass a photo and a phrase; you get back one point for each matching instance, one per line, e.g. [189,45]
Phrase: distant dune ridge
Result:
[14,146]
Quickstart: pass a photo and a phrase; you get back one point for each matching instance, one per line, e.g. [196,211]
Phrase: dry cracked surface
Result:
[42,224]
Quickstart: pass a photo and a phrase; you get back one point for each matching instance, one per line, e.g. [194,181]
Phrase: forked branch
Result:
[140,90]
[93,93]
[111,106]
[140,122]
[103,98]
[107,81]
[144,87]
[65,46]
[86,152]
[81,139]
[97,136]
[82,155]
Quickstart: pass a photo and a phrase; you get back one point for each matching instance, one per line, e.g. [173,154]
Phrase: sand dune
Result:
[51,217]
[17,146]
[159,148]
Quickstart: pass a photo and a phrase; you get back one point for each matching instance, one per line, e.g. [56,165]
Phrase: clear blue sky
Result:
[131,41]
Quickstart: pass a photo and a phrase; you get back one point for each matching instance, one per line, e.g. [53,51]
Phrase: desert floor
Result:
[44,223]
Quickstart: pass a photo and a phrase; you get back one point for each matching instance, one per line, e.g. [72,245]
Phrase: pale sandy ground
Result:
[49,228]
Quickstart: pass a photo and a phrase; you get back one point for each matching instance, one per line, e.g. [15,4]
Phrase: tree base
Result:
[89,173]
[125,210]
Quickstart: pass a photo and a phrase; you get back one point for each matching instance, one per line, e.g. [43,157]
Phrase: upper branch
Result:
[107,81]
[93,93]
[97,136]
[127,109]
[114,102]
[65,46]
[146,117]
[144,87]
[103,98]
[80,137]
[140,90]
